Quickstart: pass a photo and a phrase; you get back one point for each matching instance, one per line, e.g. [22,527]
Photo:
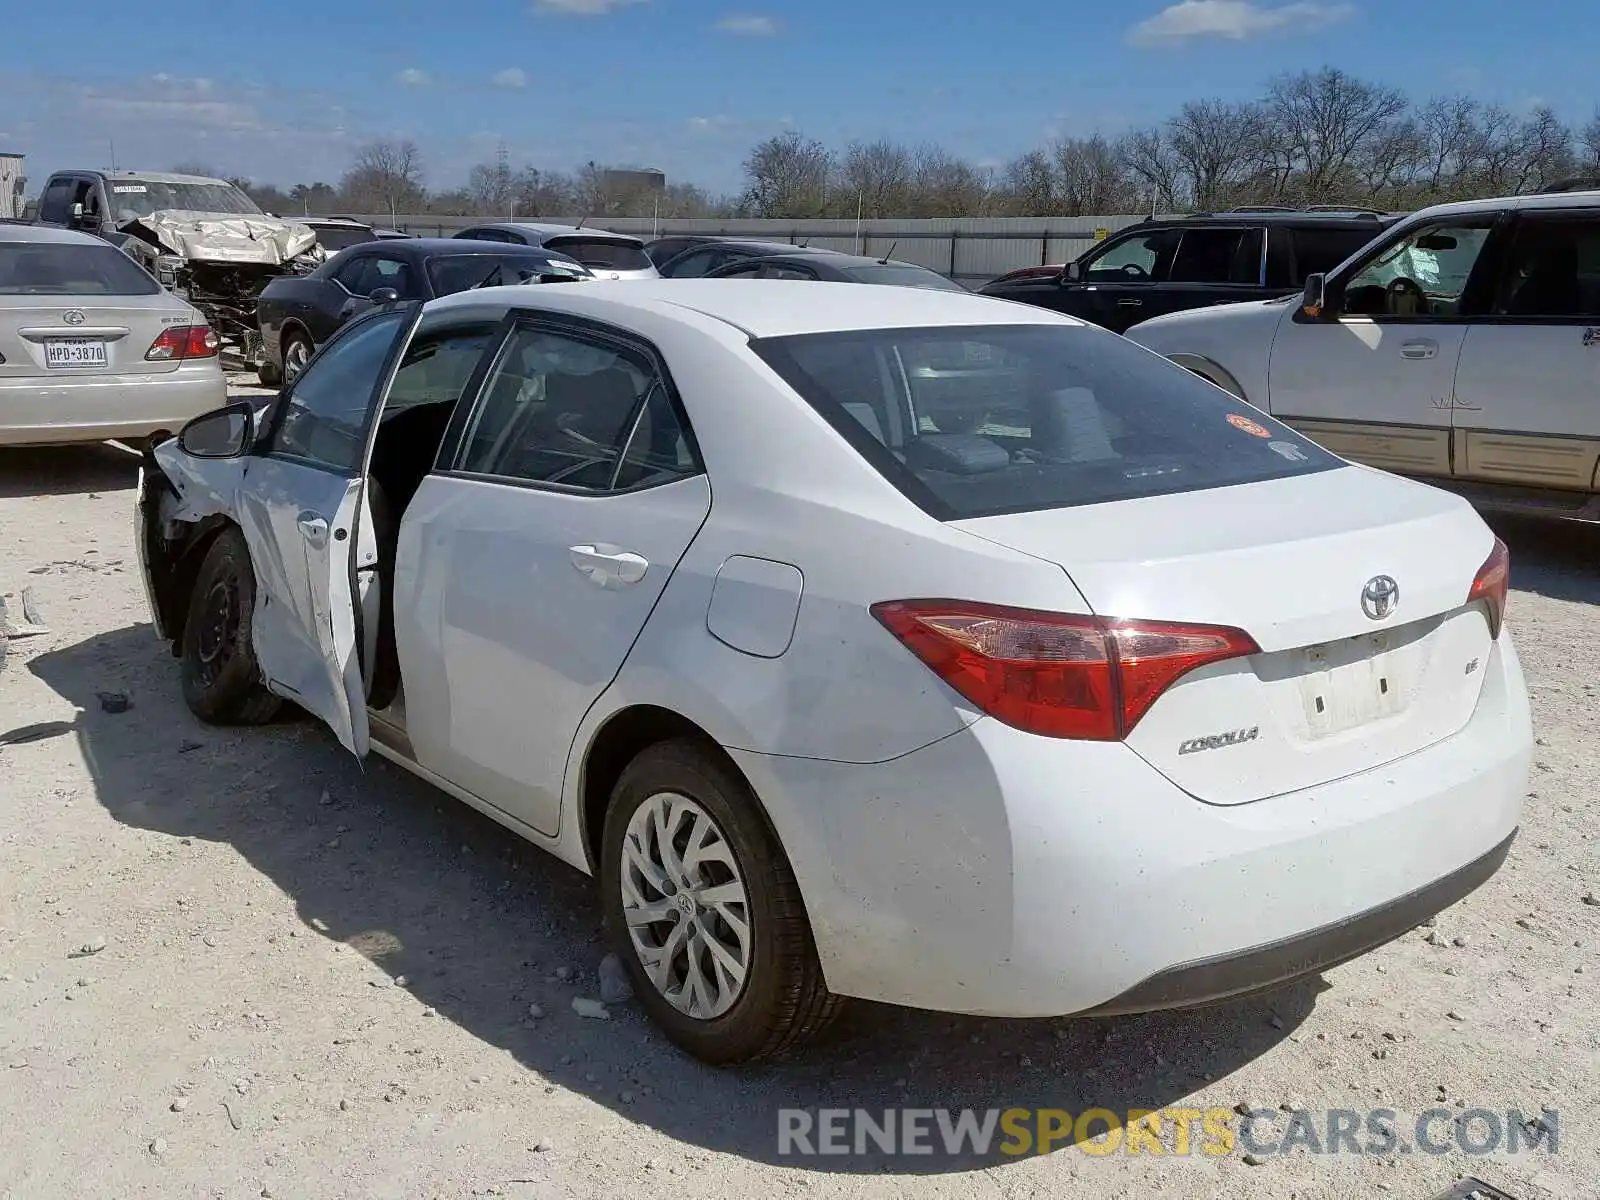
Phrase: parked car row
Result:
[297,314]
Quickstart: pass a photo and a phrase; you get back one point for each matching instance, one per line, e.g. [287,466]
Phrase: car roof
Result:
[548,230]
[841,261]
[156,176]
[1314,220]
[462,246]
[334,222]
[24,232]
[1538,202]
[766,307]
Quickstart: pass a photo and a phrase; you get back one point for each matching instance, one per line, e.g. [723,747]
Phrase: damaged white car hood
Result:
[224,238]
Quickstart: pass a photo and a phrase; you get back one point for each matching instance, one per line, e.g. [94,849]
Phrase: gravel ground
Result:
[239,964]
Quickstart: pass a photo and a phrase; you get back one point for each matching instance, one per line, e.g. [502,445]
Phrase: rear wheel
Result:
[702,906]
[221,679]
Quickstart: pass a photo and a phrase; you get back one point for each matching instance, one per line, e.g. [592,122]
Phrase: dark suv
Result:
[1163,266]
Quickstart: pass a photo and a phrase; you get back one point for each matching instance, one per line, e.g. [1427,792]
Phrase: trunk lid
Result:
[1333,691]
[116,329]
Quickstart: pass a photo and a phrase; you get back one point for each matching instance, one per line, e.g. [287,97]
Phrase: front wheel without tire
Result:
[701,904]
[221,678]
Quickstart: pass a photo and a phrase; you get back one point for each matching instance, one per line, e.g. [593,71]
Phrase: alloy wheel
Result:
[686,906]
[295,357]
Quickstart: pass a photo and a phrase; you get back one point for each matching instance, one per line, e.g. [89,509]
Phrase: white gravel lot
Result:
[316,978]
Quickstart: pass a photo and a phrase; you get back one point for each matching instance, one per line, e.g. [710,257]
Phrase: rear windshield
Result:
[602,253]
[973,422]
[461,272]
[903,276]
[341,237]
[45,269]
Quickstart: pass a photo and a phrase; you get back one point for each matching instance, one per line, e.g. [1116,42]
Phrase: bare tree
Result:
[1390,160]
[1320,122]
[1029,185]
[787,176]
[491,186]
[385,177]
[943,185]
[1217,146]
[1091,176]
[878,177]
[1154,169]
[1589,140]
[1544,150]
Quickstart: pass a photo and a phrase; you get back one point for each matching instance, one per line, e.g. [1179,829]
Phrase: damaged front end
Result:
[221,262]
[181,503]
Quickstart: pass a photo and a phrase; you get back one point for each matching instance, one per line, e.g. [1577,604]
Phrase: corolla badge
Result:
[1380,597]
[74,316]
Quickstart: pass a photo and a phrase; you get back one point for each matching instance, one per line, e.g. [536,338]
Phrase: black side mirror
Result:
[225,432]
[1315,295]
[1072,273]
[383,296]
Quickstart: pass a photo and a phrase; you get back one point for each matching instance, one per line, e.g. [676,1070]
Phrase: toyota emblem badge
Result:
[1380,597]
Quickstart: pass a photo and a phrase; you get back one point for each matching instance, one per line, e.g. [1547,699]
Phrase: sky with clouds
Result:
[286,92]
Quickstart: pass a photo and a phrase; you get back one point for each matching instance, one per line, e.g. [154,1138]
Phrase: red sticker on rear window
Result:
[1249,426]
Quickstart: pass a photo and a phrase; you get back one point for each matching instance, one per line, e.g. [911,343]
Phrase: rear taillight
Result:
[1056,674]
[1490,586]
[184,341]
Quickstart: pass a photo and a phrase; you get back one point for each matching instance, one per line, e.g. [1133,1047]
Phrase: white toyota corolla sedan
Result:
[870,642]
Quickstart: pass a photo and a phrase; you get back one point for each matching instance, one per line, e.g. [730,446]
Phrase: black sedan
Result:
[706,257]
[836,268]
[300,312]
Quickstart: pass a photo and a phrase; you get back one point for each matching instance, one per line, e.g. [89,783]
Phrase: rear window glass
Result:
[1318,251]
[341,238]
[973,422]
[462,272]
[46,269]
[603,253]
[1217,256]
[900,276]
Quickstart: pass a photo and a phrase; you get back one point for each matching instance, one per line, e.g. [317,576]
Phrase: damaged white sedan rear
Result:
[919,647]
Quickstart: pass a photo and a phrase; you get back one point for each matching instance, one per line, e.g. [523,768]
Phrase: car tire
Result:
[270,374]
[781,999]
[221,679]
[296,351]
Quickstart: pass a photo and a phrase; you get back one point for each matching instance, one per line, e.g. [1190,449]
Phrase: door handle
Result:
[1130,302]
[608,565]
[314,527]
[1419,349]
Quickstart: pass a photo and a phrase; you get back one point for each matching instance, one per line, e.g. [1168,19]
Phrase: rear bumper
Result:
[1265,967]
[1003,874]
[36,411]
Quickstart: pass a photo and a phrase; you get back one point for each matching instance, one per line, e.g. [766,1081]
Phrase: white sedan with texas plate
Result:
[870,642]
[92,348]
